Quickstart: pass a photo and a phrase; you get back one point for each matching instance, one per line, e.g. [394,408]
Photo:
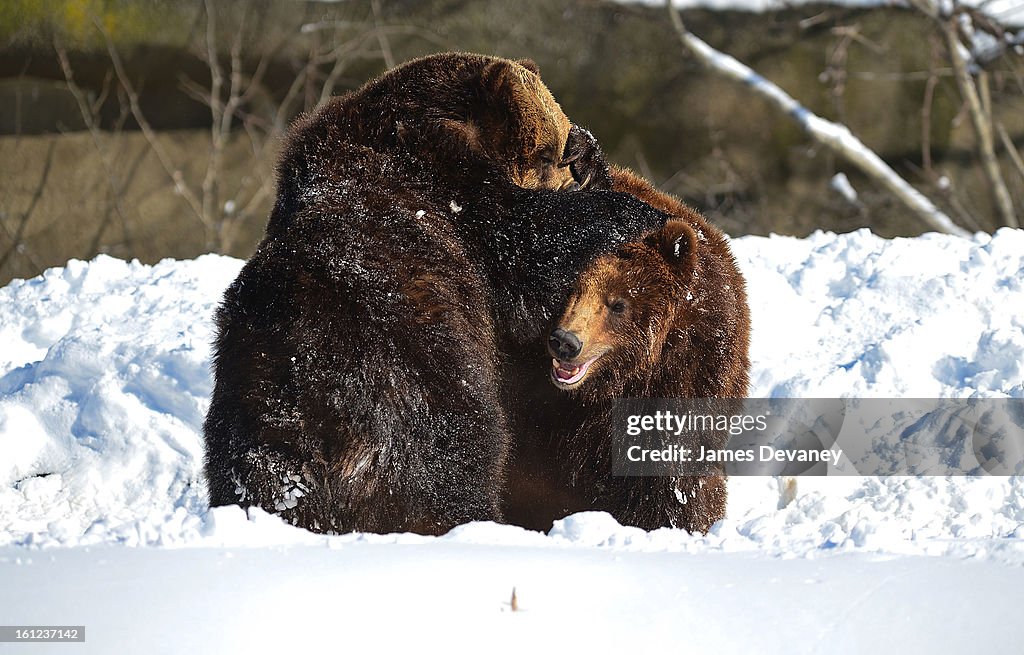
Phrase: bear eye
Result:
[618,307]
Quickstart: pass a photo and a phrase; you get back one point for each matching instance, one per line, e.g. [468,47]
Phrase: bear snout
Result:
[564,345]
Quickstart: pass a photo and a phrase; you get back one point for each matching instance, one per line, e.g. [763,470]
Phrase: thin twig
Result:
[147,131]
[19,233]
[382,37]
[1011,150]
[90,112]
[982,125]
[926,113]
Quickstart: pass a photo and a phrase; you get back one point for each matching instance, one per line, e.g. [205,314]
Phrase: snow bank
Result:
[105,383]
[105,378]
[857,315]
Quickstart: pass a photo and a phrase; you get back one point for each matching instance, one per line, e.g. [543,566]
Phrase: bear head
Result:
[625,310]
[517,124]
[468,119]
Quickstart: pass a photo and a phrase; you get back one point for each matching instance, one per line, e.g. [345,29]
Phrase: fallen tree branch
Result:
[836,137]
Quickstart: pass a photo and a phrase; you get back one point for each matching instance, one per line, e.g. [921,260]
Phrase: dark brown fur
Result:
[464,117]
[357,355]
[683,332]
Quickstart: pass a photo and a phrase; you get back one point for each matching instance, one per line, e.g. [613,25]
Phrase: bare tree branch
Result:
[981,121]
[835,136]
[382,37]
[219,113]
[1011,150]
[90,112]
[228,96]
[17,237]
[926,113]
[173,172]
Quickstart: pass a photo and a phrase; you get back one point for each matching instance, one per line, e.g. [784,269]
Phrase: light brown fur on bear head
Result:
[625,305]
[663,317]
[522,126]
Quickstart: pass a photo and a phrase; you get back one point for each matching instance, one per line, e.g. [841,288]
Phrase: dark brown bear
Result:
[356,380]
[664,317]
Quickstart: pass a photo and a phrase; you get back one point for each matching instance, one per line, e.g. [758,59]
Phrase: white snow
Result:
[841,184]
[104,382]
[453,596]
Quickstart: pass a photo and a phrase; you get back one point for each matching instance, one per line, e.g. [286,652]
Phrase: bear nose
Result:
[564,344]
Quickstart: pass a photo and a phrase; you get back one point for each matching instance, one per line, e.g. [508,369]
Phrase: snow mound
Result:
[105,379]
[856,315]
[104,383]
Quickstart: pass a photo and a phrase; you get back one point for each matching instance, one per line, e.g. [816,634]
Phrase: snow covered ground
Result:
[104,381]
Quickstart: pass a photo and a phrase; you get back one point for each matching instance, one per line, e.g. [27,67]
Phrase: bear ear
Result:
[500,79]
[678,244]
[510,100]
[529,65]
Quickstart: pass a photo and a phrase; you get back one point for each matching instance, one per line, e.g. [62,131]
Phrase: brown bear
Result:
[665,316]
[418,230]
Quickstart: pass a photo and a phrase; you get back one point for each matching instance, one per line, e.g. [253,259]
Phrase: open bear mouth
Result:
[567,375]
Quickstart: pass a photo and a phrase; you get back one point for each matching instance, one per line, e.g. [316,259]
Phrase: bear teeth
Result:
[569,375]
[564,367]
[564,372]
